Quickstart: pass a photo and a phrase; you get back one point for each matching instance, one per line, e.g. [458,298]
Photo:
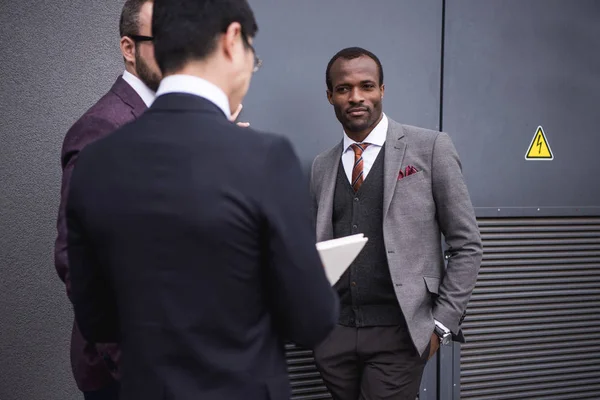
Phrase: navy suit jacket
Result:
[191,244]
[94,366]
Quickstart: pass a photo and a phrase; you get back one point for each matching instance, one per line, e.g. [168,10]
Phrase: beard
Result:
[354,125]
[357,125]
[145,73]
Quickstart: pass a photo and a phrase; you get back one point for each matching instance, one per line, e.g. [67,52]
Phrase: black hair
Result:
[130,17]
[185,30]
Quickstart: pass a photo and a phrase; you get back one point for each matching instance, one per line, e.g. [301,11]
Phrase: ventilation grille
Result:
[304,377]
[533,322]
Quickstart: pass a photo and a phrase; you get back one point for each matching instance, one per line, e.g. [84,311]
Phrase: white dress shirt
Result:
[140,88]
[376,139]
[197,86]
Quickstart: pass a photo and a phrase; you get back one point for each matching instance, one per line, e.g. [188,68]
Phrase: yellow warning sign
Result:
[539,149]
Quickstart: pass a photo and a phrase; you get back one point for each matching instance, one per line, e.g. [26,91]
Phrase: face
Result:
[356,95]
[145,64]
[139,56]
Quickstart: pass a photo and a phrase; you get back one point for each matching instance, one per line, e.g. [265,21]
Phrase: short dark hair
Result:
[130,17]
[351,53]
[187,30]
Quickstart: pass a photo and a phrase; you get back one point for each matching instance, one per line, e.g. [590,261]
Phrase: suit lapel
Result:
[395,148]
[325,210]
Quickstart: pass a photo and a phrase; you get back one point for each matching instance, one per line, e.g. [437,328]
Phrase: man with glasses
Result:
[190,238]
[95,366]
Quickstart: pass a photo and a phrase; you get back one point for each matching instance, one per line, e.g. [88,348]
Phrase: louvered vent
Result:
[533,322]
[305,379]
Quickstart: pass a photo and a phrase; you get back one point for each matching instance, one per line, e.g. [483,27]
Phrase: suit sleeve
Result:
[91,292]
[84,132]
[306,307]
[456,218]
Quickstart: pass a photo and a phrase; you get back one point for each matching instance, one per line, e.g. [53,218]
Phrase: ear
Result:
[231,39]
[329,96]
[128,49]
[382,90]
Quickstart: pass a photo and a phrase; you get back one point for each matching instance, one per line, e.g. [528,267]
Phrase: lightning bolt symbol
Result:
[539,143]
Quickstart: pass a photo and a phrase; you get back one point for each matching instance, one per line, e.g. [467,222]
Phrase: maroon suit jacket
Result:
[94,365]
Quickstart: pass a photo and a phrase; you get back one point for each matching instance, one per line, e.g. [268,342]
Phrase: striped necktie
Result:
[357,171]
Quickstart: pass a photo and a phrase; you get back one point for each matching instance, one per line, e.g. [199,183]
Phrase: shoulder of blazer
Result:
[112,109]
[127,95]
[333,153]
[104,117]
[418,135]
[324,161]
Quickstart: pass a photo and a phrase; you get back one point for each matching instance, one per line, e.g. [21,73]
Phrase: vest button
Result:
[356,199]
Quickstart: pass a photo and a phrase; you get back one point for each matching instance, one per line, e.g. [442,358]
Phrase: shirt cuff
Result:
[441,326]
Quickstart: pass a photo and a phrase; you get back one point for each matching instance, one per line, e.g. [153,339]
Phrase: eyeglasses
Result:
[257,61]
[140,38]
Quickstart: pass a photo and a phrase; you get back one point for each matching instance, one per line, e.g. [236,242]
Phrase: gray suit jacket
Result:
[417,209]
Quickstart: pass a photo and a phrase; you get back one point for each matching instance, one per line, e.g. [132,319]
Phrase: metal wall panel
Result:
[287,96]
[298,38]
[304,377]
[510,66]
[533,322]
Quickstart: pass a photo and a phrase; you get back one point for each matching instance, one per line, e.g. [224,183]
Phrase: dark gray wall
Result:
[298,38]
[57,58]
[513,65]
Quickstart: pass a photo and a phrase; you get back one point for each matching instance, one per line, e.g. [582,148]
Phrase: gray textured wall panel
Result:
[56,59]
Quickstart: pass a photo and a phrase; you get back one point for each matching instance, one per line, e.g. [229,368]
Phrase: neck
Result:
[207,72]
[129,68]
[359,137]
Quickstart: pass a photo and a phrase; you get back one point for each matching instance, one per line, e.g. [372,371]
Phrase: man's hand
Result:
[435,345]
[235,115]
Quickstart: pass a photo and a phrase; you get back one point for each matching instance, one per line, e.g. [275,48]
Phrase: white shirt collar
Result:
[140,88]
[376,137]
[197,86]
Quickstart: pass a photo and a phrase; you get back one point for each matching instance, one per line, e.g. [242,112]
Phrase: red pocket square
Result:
[409,170]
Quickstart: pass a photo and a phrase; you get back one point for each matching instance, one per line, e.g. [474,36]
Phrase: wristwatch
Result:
[443,334]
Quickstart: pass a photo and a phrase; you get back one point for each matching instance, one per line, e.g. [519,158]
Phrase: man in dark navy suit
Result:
[190,238]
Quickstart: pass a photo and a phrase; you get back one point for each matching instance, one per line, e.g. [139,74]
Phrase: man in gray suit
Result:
[402,187]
